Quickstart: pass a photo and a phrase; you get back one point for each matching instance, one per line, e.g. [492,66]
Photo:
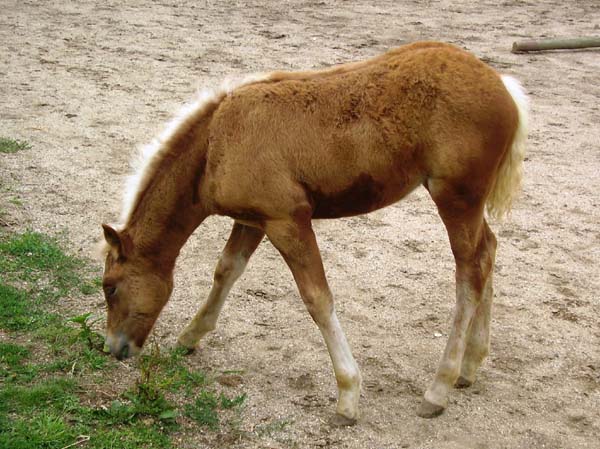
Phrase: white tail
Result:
[510,172]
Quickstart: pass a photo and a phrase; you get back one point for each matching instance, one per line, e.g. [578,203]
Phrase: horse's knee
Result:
[227,268]
[319,306]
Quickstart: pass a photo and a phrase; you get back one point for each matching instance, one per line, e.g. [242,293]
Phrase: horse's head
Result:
[136,289]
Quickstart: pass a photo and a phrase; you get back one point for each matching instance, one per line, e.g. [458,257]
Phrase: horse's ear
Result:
[119,242]
[111,236]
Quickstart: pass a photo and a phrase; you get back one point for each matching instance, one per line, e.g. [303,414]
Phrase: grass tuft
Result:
[204,410]
[12,145]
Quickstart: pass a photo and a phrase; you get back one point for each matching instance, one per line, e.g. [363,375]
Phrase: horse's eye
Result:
[110,290]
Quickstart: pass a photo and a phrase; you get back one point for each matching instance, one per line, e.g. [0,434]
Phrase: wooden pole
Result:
[556,44]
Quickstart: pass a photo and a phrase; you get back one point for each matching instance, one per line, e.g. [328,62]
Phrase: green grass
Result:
[12,145]
[12,354]
[12,364]
[272,428]
[136,436]
[16,310]
[42,430]
[49,385]
[204,410]
[34,258]
[52,393]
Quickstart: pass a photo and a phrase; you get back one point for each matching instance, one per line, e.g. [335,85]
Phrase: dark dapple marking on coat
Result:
[362,196]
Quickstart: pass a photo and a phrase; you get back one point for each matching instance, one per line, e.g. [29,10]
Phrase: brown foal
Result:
[276,150]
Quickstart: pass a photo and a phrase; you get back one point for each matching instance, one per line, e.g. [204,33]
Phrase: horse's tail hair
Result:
[510,172]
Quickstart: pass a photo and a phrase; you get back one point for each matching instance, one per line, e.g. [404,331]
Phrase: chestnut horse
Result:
[276,150]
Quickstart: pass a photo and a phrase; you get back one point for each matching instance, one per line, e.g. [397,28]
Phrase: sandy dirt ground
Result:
[87,82]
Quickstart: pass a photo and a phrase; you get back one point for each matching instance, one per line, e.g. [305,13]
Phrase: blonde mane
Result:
[149,157]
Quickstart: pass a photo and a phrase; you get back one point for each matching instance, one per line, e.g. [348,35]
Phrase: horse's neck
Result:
[170,208]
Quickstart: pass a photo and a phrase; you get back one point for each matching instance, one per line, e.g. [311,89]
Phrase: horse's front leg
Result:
[298,246]
[242,242]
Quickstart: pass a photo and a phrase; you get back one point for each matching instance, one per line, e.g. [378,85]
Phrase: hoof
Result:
[338,420]
[463,382]
[429,410]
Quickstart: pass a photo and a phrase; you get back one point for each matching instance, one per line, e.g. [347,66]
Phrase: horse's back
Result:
[360,136]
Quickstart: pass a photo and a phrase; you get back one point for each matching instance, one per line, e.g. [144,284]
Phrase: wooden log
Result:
[556,44]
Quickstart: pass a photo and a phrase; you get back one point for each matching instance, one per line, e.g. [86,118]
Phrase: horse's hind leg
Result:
[240,246]
[478,343]
[297,244]
[462,213]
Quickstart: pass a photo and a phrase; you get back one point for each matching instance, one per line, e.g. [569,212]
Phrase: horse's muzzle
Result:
[120,346]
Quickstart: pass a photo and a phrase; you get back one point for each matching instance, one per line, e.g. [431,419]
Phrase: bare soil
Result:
[86,82]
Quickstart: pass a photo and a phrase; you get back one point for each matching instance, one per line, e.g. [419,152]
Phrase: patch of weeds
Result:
[177,376]
[92,339]
[227,403]
[94,359]
[57,334]
[8,145]
[169,372]
[142,403]
[72,349]
[16,202]
[205,408]
[272,428]
[145,400]
[57,365]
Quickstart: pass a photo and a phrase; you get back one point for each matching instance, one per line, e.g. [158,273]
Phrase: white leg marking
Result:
[449,366]
[345,367]
[478,345]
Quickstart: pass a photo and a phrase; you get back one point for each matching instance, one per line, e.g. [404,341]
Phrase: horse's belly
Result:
[364,195]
